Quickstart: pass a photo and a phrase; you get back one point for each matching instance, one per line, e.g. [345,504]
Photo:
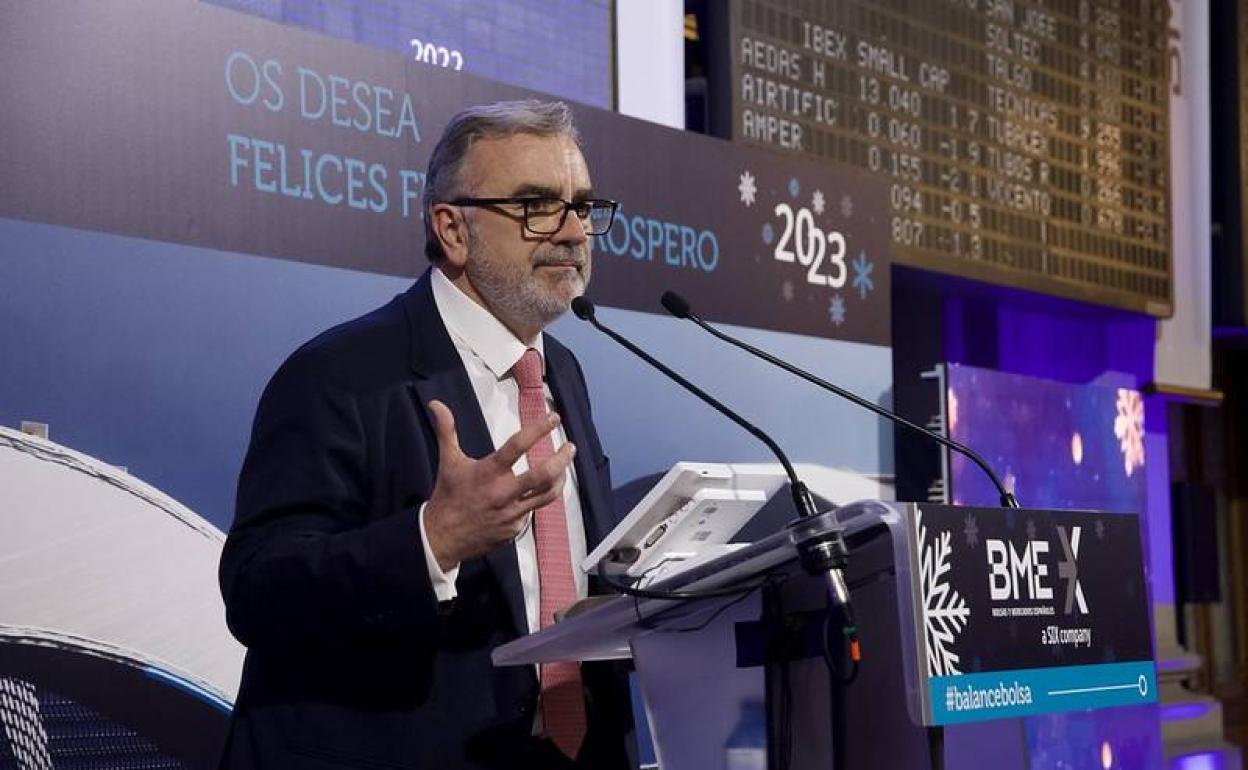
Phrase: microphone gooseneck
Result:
[802,499]
[822,552]
[679,307]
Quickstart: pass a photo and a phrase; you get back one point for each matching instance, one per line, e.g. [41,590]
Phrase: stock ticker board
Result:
[1026,143]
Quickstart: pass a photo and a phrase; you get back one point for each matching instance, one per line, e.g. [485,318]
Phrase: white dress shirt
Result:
[489,350]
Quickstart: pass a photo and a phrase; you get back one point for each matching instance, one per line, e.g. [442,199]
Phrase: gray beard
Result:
[515,299]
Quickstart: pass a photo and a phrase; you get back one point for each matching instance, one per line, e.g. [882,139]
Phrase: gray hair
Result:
[485,121]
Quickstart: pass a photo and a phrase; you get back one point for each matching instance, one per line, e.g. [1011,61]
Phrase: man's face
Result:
[525,280]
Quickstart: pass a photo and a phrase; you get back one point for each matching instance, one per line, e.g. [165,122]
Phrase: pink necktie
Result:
[562,701]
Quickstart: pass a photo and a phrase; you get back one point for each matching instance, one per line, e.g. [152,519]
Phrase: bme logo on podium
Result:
[1030,612]
[1013,573]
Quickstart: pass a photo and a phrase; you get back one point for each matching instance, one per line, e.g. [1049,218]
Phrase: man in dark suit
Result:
[416,492]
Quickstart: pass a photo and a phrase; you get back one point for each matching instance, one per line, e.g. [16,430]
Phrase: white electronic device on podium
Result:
[687,517]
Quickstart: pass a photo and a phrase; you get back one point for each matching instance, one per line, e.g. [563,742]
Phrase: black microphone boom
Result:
[679,307]
[584,310]
[824,555]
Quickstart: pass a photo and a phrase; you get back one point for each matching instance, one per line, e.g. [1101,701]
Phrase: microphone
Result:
[679,307]
[825,554]
[584,310]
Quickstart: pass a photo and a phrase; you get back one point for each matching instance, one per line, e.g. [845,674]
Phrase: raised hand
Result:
[478,505]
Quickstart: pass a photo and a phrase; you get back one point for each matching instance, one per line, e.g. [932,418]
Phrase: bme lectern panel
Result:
[964,614]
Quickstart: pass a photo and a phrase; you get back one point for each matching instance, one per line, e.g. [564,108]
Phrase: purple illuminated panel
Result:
[1058,445]
[1096,740]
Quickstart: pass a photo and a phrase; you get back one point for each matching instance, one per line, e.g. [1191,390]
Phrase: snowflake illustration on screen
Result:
[945,613]
[747,188]
[1129,429]
[817,202]
[862,274]
[787,291]
[836,309]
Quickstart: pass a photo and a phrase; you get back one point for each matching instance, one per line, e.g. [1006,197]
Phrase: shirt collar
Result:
[473,327]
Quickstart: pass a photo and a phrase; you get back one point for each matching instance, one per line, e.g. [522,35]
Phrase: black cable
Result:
[850,632]
[936,747]
[839,682]
[778,655]
[786,727]
[718,611]
[648,621]
[647,593]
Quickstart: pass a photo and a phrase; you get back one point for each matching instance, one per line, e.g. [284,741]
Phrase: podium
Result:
[964,614]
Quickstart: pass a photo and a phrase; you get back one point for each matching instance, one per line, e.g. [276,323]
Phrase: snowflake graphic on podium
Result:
[970,529]
[945,613]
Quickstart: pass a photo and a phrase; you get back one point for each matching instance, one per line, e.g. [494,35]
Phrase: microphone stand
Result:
[821,553]
[677,306]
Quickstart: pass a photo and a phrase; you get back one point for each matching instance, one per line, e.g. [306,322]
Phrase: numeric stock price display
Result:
[1025,143]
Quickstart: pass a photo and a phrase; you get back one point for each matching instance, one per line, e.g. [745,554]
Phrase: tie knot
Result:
[528,370]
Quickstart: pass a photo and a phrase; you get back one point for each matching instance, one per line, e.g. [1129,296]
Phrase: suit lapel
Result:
[440,375]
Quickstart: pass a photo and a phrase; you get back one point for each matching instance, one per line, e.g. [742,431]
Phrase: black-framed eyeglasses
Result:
[545,215]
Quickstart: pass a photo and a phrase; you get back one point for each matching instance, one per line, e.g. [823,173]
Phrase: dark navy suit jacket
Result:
[351,660]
